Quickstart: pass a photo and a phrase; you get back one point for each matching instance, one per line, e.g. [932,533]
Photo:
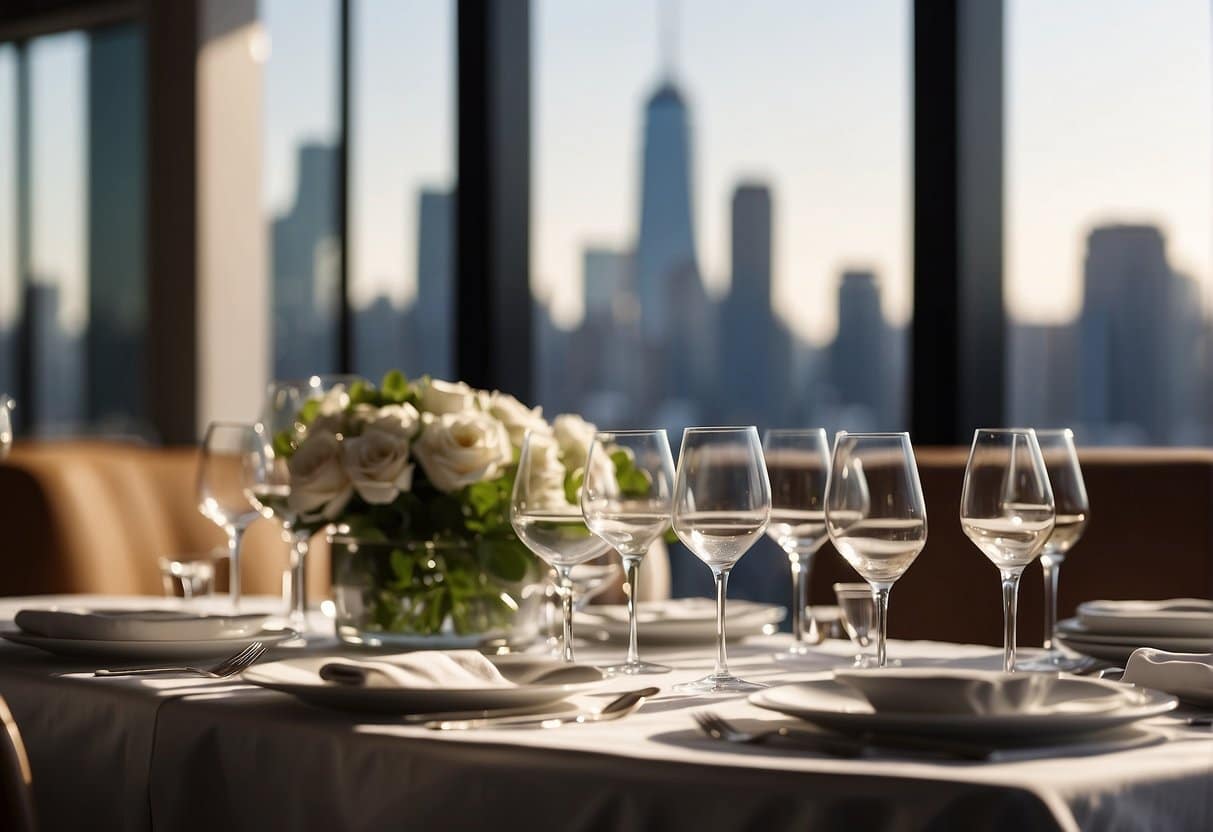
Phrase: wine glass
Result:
[548,524]
[228,449]
[626,500]
[1072,513]
[722,504]
[798,465]
[6,426]
[875,513]
[1007,510]
[858,610]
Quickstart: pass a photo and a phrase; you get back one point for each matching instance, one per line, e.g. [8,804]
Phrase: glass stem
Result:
[631,564]
[235,536]
[1010,599]
[722,589]
[296,591]
[880,594]
[565,574]
[1051,569]
[803,622]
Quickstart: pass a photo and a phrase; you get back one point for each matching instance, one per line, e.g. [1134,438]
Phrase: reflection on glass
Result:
[229,452]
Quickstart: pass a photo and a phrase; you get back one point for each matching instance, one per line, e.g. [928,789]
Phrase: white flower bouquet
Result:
[416,479]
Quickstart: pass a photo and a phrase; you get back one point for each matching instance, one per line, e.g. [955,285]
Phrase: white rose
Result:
[399,421]
[319,485]
[544,475]
[458,449]
[516,416]
[439,397]
[377,463]
[574,435]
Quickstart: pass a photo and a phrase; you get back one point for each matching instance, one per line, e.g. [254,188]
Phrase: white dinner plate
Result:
[136,625]
[154,651]
[301,678]
[1115,647]
[838,707]
[1177,617]
[680,621]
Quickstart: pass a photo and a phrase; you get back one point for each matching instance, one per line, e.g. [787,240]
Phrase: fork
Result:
[719,728]
[230,666]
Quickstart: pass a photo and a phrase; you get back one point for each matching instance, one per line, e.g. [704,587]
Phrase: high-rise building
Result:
[1124,341]
[433,313]
[306,261]
[858,359]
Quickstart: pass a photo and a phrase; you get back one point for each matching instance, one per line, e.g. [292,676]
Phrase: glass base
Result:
[723,683]
[637,668]
[1054,659]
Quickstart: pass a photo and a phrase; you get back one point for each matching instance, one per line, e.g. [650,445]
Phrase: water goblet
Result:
[626,500]
[875,513]
[1007,510]
[228,450]
[722,504]
[798,465]
[858,610]
[548,524]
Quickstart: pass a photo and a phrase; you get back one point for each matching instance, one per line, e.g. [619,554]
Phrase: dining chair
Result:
[16,791]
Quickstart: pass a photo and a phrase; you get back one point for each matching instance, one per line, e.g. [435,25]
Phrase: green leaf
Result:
[573,481]
[309,411]
[402,566]
[635,482]
[395,386]
[284,443]
[483,497]
[508,560]
[362,392]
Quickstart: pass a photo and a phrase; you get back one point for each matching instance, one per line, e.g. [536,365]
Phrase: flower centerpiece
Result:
[413,481]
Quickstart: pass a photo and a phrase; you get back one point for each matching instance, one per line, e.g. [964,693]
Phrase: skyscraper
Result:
[1127,296]
[858,364]
[434,311]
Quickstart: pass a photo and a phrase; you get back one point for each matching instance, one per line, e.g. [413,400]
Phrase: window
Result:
[72,281]
[720,228]
[302,166]
[1110,220]
[402,217]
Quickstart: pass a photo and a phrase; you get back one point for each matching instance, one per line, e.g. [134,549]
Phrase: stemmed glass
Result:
[548,524]
[6,427]
[798,465]
[875,513]
[1007,510]
[1072,514]
[228,450]
[722,503]
[626,500]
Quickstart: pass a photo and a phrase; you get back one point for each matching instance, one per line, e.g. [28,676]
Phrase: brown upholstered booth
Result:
[94,517]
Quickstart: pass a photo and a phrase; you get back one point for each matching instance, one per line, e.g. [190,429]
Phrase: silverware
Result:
[230,666]
[618,708]
[836,745]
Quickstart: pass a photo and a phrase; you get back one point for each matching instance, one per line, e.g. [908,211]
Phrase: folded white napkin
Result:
[455,669]
[1187,675]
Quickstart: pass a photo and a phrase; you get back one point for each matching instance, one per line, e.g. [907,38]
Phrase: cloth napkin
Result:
[1187,675]
[455,669]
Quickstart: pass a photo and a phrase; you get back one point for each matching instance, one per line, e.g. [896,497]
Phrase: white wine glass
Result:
[548,524]
[626,500]
[6,426]
[1072,514]
[722,504]
[875,514]
[1007,510]
[228,449]
[798,465]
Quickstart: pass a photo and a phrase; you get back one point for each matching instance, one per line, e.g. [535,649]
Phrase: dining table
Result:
[181,753]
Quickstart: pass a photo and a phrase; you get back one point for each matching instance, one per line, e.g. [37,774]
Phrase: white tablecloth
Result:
[187,754]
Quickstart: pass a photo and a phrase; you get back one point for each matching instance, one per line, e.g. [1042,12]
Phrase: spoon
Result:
[615,709]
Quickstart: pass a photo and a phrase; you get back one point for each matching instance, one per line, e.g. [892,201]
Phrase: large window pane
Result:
[720,227]
[402,186]
[10,292]
[1109,220]
[302,128]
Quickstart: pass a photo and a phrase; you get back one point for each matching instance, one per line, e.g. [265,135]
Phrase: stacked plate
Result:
[152,635]
[1112,630]
[1018,709]
[679,621]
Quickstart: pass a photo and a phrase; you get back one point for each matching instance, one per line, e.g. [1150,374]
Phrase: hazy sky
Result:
[1109,118]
